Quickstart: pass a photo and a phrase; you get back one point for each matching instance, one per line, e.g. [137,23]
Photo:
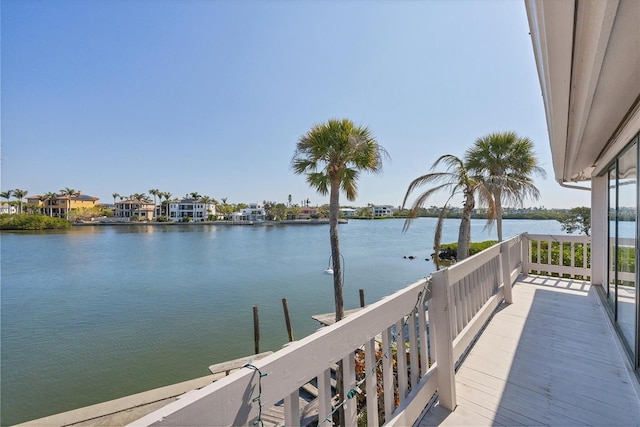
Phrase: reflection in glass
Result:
[611,282]
[626,240]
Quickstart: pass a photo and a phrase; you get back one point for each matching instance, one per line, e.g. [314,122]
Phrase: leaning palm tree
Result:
[332,155]
[505,162]
[457,181]
[19,195]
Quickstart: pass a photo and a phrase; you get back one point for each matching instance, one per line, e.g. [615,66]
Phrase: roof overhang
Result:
[588,59]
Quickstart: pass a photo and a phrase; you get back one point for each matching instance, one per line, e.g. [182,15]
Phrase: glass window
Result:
[611,282]
[626,242]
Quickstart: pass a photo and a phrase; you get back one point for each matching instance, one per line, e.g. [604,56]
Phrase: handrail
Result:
[231,401]
[460,300]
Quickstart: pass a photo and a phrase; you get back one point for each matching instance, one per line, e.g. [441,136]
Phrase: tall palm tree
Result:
[154,192]
[505,162]
[332,155]
[19,195]
[206,200]
[50,198]
[195,195]
[7,195]
[42,198]
[166,196]
[139,197]
[68,193]
[115,195]
[456,180]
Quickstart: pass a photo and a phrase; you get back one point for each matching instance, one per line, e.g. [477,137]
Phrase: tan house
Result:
[61,204]
[142,209]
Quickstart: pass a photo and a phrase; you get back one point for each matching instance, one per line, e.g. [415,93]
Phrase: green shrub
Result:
[31,222]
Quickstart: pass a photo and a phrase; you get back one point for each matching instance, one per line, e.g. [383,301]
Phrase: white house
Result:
[382,210]
[191,210]
[348,211]
[7,208]
[254,212]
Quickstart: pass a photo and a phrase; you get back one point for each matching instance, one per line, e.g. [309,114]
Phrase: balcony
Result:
[485,337]
[488,338]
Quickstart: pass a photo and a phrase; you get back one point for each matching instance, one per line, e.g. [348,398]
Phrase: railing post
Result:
[349,383]
[526,254]
[505,260]
[439,309]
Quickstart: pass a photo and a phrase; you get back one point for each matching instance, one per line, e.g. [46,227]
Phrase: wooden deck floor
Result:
[548,359]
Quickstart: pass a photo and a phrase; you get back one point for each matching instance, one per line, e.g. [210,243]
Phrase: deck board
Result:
[547,359]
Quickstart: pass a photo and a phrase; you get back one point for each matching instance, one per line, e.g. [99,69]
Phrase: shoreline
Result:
[178,223]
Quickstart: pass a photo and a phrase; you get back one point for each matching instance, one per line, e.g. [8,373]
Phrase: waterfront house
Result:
[347,212]
[382,210]
[512,335]
[8,208]
[130,208]
[308,212]
[191,209]
[61,204]
[253,212]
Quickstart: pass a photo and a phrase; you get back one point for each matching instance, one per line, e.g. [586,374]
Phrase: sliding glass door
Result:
[622,294]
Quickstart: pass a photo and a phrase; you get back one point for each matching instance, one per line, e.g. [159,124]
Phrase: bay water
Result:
[99,312]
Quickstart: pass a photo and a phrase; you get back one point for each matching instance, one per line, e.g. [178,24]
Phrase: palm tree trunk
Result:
[498,201]
[464,234]
[334,208]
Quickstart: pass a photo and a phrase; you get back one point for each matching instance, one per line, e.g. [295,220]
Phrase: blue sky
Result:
[211,96]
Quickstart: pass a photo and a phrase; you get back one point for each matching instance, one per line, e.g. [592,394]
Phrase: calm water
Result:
[96,313]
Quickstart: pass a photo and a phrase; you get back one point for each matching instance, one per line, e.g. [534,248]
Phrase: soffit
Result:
[585,110]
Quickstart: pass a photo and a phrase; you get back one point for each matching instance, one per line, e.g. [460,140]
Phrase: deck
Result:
[550,358]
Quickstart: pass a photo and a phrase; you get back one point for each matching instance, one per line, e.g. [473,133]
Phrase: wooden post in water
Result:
[285,307]
[256,329]
[361,298]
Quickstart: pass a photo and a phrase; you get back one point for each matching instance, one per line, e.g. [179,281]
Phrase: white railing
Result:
[562,255]
[460,300]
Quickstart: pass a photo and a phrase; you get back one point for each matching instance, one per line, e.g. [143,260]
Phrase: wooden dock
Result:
[550,358]
[327,319]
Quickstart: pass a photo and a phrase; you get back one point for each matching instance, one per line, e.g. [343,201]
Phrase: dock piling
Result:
[256,330]
[285,307]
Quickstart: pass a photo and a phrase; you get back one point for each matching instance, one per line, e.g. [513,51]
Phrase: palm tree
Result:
[42,198]
[155,192]
[68,193]
[195,195]
[206,200]
[332,154]
[456,180]
[139,197]
[19,195]
[50,198]
[505,162]
[7,195]
[166,196]
[115,195]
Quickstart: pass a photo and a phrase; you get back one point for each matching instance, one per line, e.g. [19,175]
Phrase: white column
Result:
[599,243]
